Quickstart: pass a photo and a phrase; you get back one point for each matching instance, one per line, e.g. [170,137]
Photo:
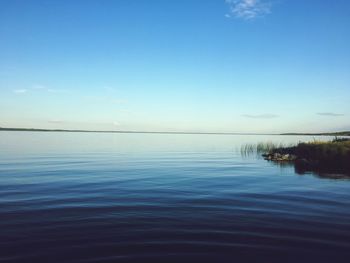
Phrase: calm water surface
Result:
[81,197]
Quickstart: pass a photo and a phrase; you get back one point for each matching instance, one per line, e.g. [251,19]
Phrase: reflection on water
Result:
[322,174]
[163,198]
[317,173]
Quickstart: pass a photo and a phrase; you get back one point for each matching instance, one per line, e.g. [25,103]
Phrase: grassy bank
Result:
[331,156]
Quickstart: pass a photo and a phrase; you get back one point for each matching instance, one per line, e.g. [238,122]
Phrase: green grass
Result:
[334,152]
[328,156]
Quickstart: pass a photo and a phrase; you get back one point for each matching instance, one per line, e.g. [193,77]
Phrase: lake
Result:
[99,197]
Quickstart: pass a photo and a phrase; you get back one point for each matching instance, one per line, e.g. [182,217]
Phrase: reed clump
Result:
[327,156]
[320,156]
[263,147]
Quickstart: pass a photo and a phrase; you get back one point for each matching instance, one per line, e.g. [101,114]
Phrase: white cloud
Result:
[249,9]
[260,116]
[18,91]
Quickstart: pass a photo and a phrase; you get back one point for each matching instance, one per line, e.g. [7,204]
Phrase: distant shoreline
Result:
[343,133]
[110,131]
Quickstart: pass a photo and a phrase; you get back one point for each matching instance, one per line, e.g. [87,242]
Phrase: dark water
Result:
[75,197]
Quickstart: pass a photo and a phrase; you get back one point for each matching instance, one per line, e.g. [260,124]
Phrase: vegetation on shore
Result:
[342,133]
[332,156]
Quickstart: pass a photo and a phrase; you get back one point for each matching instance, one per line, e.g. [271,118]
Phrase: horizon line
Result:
[166,132]
[129,131]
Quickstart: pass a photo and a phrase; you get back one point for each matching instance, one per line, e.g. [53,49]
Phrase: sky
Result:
[265,66]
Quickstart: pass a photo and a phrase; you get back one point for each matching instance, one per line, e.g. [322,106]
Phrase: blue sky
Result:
[200,65]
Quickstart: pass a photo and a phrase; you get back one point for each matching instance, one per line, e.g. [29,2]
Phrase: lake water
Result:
[87,197]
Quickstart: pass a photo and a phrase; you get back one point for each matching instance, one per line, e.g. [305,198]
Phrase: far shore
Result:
[342,133]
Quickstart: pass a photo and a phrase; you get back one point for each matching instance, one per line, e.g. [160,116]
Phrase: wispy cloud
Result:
[19,91]
[39,87]
[248,9]
[260,116]
[330,114]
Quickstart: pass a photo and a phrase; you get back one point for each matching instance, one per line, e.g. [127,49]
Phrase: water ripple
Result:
[184,204]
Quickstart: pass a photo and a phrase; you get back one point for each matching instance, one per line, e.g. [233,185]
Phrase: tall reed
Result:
[262,147]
